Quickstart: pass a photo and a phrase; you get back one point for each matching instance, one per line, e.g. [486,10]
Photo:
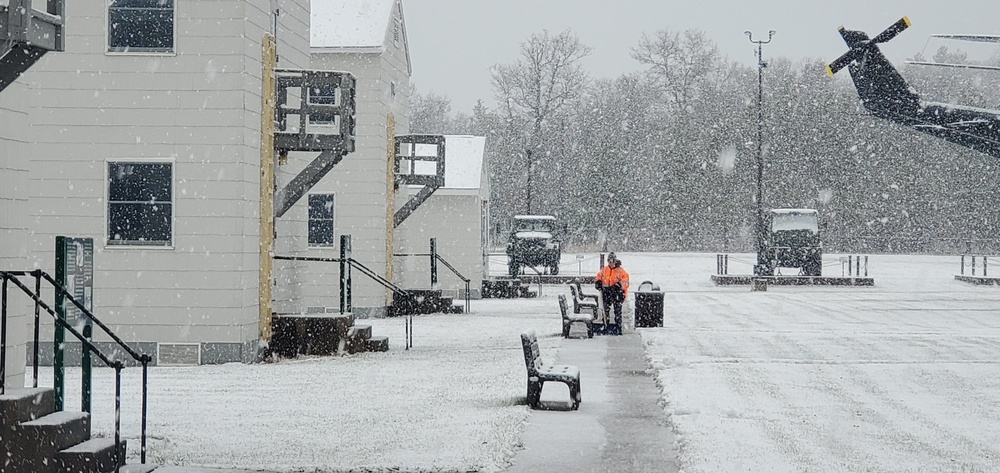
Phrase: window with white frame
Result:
[323,95]
[321,220]
[142,26]
[140,203]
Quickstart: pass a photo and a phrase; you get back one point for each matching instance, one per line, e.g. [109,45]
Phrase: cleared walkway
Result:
[620,424]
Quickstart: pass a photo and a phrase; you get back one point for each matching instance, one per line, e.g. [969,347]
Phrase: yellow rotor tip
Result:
[906,20]
[829,71]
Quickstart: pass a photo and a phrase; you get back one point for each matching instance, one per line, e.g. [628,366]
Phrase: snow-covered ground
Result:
[903,376]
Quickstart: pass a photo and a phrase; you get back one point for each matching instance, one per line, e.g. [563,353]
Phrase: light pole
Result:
[761,248]
[531,167]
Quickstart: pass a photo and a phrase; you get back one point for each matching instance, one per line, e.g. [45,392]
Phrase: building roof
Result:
[350,24]
[463,165]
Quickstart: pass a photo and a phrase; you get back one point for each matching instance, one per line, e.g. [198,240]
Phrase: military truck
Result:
[533,243]
[793,240]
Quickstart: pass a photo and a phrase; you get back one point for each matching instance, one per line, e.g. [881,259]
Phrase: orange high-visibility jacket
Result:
[609,276]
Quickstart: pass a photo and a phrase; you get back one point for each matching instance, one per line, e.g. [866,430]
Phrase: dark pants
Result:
[613,297]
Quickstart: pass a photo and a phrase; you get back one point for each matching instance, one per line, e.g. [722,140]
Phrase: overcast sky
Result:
[453,43]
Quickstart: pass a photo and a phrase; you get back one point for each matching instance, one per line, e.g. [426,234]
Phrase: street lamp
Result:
[531,167]
[761,248]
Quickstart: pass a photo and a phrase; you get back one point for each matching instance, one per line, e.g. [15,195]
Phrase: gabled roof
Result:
[463,165]
[354,26]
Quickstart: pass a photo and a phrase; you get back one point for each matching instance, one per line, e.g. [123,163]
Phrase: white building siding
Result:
[455,221]
[14,152]
[199,108]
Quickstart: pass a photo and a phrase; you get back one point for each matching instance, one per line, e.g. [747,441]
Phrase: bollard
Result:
[984,267]
[973,265]
[850,263]
[961,268]
[857,270]
[866,266]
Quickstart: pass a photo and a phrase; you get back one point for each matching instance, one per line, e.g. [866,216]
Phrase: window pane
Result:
[140,205]
[139,223]
[141,25]
[321,232]
[139,182]
[321,220]
[320,206]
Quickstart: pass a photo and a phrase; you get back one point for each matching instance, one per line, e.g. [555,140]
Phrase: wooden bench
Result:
[539,372]
[569,319]
[582,301]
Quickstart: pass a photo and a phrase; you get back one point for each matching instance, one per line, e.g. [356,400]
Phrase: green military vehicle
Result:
[533,243]
[793,240]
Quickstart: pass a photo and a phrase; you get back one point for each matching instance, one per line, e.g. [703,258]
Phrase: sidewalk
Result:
[620,425]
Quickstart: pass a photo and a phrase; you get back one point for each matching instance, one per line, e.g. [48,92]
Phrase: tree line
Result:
[665,159]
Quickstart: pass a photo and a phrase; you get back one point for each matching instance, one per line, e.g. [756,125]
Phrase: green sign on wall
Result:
[75,272]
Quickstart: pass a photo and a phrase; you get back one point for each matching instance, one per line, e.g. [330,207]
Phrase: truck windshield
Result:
[793,221]
[533,226]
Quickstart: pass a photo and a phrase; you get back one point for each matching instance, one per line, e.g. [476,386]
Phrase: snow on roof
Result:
[793,211]
[463,161]
[349,23]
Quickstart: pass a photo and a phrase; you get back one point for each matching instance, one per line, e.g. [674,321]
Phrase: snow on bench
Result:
[569,319]
[539,372]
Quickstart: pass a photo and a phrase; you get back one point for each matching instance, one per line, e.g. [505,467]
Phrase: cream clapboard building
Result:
[145,135]
[457,216]
[14,218]
[368,39]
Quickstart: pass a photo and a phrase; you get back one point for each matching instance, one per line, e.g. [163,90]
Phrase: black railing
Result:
[345,279]
[354,264]
[88,346]
[436,257]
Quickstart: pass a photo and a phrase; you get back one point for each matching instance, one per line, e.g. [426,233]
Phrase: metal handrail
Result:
[354,264]
[464,279]
[35,295]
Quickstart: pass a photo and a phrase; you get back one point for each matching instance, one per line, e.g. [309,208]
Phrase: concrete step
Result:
[357,337]
[377,343]
[24,404]
[310,334]
[94,455]
[138,468]
[57,431]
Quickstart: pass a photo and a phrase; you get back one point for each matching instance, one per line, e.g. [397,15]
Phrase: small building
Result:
[368,39]
[457,216]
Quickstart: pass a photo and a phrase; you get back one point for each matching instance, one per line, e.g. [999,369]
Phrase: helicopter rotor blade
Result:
[842,61]
[892,30]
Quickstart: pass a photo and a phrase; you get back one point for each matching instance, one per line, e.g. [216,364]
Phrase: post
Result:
[3,335]
[973,265]
[38,297]
[761,249]
[857,270]
[531,167]
[984,267]
[961,268]
[269,58]
[866,266]
[345,274]
[850,264]
[434,263]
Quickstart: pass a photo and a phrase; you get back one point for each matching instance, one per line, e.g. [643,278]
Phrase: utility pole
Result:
[531,168]
[761,247]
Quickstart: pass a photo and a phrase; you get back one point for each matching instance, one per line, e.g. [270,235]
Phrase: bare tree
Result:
[536,87]
[678,62]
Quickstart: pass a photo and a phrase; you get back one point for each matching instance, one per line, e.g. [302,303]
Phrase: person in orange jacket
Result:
[612,281]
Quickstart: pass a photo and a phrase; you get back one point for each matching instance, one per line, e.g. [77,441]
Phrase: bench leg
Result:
[534,393]
[574,394]
[590,330]
[566,329]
